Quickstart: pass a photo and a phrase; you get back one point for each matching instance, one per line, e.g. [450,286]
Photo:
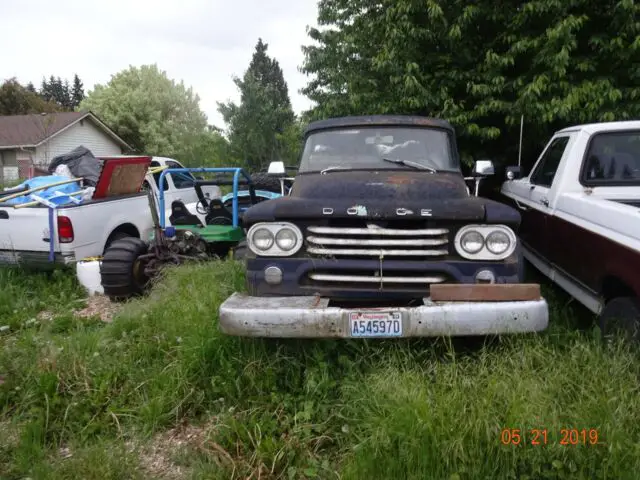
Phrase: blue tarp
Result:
[58,194]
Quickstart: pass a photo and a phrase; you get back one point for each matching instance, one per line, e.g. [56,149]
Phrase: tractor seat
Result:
[218,214]
[180,215]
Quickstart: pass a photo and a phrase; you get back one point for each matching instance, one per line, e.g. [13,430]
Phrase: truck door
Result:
[534,205]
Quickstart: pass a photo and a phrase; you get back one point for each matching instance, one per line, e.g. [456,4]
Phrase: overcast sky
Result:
[203,42]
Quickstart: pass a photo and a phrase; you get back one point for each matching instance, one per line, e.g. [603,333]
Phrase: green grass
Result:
[430,408]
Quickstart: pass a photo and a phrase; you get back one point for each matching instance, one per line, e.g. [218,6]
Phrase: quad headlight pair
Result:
[485,242]
[277,239]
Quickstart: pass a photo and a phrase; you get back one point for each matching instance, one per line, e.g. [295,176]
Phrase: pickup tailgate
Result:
[24,236]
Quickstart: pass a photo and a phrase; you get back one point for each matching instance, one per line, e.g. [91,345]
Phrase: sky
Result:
[202,42]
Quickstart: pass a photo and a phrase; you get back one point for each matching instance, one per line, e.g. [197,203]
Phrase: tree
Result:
[18,100]
[77,91]
[148,110]
[208,148]
[479,65]
[264,114]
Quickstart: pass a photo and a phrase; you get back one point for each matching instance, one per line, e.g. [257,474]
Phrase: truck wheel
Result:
[263,181]
[240,251]
[121,272]
[621,316]
[115,236]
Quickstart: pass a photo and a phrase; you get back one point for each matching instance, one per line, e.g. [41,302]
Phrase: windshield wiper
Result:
[329,169]
[409,163]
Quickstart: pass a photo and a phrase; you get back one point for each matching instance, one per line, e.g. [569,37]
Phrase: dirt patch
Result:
[100,306]
[10,437]
[158,457]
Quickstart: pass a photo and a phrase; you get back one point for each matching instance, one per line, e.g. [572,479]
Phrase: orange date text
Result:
[545,436]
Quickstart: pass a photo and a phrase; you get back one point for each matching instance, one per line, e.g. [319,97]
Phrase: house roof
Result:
[34,129]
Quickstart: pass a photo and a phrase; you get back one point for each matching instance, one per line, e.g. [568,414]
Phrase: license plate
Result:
[375,324]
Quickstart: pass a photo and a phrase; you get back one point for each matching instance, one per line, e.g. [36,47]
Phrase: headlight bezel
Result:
[274,250]
[484,253]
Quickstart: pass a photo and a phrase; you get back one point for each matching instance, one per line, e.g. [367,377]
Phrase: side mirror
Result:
[483,168]
[276,169]
[513,173]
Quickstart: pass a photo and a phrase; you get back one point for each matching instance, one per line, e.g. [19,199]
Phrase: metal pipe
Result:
[520,147]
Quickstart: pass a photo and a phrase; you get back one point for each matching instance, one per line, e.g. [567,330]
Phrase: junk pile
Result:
[73,179]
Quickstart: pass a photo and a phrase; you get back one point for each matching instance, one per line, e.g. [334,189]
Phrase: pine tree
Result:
[77,92]
[66,95]
[45,91]
[58,92]
[268,74]
[257,124]
[30,87]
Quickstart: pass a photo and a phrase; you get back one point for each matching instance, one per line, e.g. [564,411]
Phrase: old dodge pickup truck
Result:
[580,218]
[379,236]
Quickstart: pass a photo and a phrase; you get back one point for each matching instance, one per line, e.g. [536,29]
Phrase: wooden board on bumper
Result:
[484,292]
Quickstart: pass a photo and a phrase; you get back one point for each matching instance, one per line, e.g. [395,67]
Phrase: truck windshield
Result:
[367,147]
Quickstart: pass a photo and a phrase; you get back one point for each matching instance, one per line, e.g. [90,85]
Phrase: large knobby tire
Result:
[264,181]
[239,252]
[621,317]
[114,237]
[121,273]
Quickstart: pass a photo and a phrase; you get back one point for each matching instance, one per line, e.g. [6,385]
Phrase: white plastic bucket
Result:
[88,273]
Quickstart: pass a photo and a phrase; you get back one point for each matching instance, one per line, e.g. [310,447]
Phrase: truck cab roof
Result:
[592,128]
[378,120]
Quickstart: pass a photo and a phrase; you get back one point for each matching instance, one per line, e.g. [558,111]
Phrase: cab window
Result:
[547,167]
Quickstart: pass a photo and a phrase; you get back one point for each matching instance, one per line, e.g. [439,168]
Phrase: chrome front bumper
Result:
[311,317]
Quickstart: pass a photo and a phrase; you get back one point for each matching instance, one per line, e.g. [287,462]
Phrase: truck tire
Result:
[264,181]
[621,315]
[121,273]
[240,251]
[115,236]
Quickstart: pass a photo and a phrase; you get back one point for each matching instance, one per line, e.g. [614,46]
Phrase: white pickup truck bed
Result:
[86,229]
[25,235]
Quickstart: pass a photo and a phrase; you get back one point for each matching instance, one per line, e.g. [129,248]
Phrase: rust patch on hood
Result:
[400,179]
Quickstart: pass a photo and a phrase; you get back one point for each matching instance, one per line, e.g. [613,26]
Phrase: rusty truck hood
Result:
[384,185]
[382,194]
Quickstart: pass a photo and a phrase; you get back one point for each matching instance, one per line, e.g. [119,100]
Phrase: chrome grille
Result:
[377,242]
[381,279]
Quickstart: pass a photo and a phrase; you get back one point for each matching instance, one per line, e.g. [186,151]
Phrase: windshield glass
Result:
[367,147]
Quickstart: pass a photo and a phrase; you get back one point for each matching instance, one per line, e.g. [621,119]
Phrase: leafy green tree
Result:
[153,113]
[207,149]
[264,114]
[18,100]
[480,65]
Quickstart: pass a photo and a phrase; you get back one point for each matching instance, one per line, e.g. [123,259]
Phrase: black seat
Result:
[218,214]
[180,215]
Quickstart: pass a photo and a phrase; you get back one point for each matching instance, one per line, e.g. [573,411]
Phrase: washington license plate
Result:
[375,324]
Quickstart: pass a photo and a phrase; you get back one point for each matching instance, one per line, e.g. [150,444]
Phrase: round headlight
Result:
[286,239]
[472,241]
[262,239]
[498,242]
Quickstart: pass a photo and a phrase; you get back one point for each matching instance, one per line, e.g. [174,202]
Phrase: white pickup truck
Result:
[85,230]
[580,208]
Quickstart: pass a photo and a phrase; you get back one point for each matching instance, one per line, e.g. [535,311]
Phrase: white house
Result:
[28,141]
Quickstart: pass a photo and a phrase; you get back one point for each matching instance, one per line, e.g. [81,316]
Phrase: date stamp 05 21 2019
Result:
[545,436]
